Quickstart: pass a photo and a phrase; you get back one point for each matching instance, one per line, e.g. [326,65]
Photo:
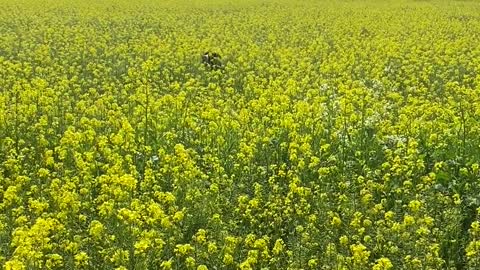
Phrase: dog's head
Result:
[206,57]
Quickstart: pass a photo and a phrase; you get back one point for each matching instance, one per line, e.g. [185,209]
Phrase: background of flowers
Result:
[339,135]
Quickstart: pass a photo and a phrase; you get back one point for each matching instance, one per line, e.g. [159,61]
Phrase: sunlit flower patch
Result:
[239,135]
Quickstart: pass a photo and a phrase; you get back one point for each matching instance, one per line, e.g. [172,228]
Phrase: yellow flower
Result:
[10,195]
[360,253]
[383,264]
[212,248]
[336,221]
[201,236]
[408,220]
[14,265]
[166,265]
[178,216]
[475,167]
[475,228]
[183,249]
[428,221]
[473,249]
[96,229]
[166,223]
[389,215]
[227,259]
[456,199]
[141,246]
[312,263]
[190,262]
[81,259]
[331,249]
[43,172]
[120,256]
[367,198]
[246,265]
[250,240]
[278,247]
[415,205]
[260,244]
[54,260]
[423,231]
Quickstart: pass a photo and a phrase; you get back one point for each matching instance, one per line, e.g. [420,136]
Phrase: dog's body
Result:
[212,60]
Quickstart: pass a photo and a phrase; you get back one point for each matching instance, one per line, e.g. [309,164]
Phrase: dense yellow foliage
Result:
[337,135]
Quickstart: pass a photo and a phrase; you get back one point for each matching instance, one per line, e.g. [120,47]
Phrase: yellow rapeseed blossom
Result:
[202,267]
[228,259]
[96,229]
[414,205]
[278,247]
[360,254]
[166,265]
[141,246]
[383,264]
[14,265]
[245,135]
[183,249]
[81,259]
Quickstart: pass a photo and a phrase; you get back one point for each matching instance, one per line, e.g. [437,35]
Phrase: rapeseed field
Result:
[250,134]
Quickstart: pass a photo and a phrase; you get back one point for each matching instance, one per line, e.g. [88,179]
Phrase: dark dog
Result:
[212,61]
